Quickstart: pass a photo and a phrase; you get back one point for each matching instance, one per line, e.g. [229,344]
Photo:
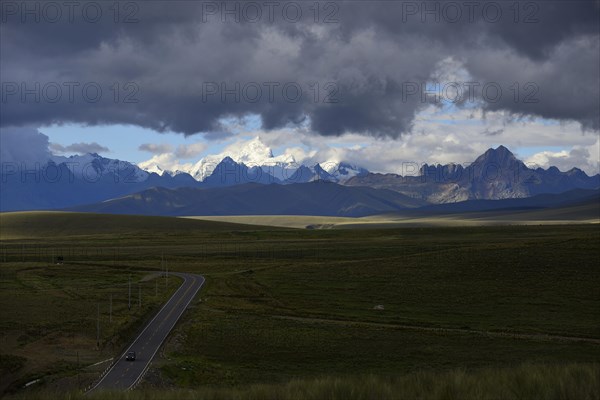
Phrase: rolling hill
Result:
[47,224]
[573,207]
[314,198]
[540,201]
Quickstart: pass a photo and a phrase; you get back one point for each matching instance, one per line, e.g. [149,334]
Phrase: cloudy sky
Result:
[376,83]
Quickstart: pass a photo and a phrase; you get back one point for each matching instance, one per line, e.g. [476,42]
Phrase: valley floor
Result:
[581,214]
[496,311]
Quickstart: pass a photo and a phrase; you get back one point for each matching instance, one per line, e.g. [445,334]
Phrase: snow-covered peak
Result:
[177,172]
[161,165]
[91,165]
[75,159]
[255,153]
[322,174]
[252,153]
[155,168]
[342,171]
[203,168]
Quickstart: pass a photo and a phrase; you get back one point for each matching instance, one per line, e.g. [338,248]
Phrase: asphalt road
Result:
[125,374]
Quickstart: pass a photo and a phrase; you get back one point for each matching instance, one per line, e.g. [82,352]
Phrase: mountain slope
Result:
[315,198]
[538,202]
[230,173]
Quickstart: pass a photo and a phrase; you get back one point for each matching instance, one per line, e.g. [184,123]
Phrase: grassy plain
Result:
[585,213]
[528,381]
[327,307]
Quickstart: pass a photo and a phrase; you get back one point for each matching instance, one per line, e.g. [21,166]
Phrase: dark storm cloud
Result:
[496,132]
[23,144]
[565,86]
[177,66]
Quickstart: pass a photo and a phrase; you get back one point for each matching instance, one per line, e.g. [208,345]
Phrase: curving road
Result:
[126,374]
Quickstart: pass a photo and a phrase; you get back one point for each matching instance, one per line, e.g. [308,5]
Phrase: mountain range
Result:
[264,186]
[496,174]
[255,154]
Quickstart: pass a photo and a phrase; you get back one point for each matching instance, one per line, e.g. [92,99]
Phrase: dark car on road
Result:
[130,356]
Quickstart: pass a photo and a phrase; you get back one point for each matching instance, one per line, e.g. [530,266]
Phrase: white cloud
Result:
[166,158]
[191,150]
[583,157]
[164,162]
[79,148]
[446,136]
[440,135]
[156,148]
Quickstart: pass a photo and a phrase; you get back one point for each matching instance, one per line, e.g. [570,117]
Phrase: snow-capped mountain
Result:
[65,182]
[92,166]
[343,171]
[230,173]
[284,167]
[155,169]
[306,174]
[253,153]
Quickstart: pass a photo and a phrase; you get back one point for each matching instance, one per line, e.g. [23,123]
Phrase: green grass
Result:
[10,363]
[284,221]
[537,381]
[588,213]
[49,316]
[282,305]
[43,224]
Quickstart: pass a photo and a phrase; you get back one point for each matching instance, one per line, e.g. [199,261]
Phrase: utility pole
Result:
[98,328]
[140,296]
[110,310]
[156,288]
[129,302]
